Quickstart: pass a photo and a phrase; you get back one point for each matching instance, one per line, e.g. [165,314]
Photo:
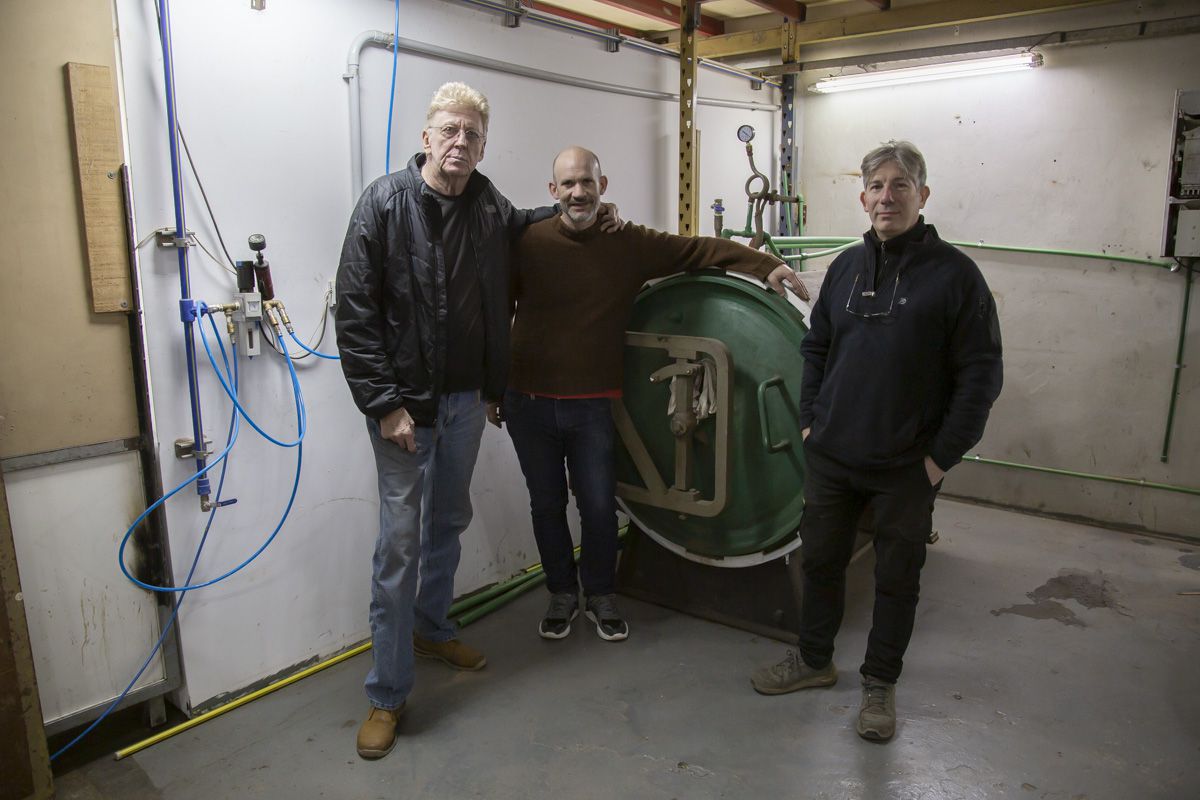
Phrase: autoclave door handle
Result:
[782,444]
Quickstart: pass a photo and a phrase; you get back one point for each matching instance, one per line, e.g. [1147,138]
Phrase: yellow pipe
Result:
[241,701]
[266,690]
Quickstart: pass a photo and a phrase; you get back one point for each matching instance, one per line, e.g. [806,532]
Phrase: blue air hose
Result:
[387,157]
[301,414]
[188,586]
[310,351]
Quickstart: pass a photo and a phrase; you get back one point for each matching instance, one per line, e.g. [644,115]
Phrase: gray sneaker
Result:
[791,674]
[602,610]
[877,717]
[564,607]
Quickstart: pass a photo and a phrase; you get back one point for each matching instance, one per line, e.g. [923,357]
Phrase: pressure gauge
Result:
[745,133]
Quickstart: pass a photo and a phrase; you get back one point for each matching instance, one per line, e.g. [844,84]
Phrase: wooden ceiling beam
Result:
[938,14]
[546,8]
[665,12]
[790,9]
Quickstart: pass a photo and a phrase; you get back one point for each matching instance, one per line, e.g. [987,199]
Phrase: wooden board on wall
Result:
[98,162]
[65,379]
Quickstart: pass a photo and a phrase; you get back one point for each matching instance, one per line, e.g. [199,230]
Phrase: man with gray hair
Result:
[902,363]
[422,326]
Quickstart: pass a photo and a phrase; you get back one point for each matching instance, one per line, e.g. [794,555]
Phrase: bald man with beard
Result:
[574,290]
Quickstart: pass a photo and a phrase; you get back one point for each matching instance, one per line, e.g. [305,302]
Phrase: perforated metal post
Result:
[787,152]
[689,188]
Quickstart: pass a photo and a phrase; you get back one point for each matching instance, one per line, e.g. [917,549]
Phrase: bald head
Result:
[573,155]
[577,185]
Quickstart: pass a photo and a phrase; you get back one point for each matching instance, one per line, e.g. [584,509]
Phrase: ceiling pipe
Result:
[383,39]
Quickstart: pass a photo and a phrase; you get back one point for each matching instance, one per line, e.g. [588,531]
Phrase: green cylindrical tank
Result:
[765,475]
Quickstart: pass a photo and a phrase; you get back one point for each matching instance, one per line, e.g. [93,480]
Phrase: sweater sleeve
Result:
[978,372]
[359,319]
[664,254]
[517,219]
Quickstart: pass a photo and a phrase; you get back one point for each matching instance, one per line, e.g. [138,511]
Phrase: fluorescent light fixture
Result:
[929,72]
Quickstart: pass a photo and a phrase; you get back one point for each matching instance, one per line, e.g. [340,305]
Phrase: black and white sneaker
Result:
[602,610]
[564,607]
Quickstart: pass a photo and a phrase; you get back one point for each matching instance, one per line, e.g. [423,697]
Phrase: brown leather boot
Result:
[377,735]
[452,652]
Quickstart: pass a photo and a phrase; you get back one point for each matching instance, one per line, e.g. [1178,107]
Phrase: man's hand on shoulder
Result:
[399,427]
[785,275]
[610,218]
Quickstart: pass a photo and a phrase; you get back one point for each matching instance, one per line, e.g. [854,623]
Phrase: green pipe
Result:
[794,241]
[494,590]
[483,609]
[1072,253]
[1167,487]
[1187,297]
[806,241]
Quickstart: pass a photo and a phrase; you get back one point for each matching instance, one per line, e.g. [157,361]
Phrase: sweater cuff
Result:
[943,459]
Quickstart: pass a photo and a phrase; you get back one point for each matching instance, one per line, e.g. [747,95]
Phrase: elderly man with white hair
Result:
[423,327]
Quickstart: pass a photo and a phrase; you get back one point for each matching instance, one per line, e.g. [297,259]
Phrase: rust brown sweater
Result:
[574,296]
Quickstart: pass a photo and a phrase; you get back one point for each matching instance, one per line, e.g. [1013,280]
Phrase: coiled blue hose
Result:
[300,415]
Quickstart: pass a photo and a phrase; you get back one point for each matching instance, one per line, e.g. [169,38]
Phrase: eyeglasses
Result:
[872,314]
[451,133]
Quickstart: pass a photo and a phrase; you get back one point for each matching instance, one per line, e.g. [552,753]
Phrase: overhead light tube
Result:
[929,72]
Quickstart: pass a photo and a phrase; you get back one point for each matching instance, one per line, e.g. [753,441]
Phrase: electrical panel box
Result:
[1181,232]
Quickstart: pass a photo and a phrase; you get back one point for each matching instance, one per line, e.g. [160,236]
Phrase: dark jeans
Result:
[835,496]
[548,433]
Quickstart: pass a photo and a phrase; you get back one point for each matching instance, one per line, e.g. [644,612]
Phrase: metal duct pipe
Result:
[383,39]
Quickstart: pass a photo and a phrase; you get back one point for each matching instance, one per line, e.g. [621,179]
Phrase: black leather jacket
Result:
[391,290]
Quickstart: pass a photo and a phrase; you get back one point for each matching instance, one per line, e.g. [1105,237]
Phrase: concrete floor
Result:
[1050,660]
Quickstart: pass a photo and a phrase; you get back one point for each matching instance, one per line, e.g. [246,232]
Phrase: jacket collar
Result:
[476,184]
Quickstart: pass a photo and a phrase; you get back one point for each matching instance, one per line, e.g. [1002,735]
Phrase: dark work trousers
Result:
[547,434]
[835,496]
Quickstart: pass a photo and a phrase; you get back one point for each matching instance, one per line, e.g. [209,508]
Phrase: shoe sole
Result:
[815,683]
[872,735]
[608,637]
[552,635]
[435,657]
[371,755]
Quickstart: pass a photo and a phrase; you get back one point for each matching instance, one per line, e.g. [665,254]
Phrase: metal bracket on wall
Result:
[512,18]
[613,45]
[186,448]
[165,237]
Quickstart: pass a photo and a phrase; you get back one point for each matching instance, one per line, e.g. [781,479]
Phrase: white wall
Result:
[263,105]
[1075,156]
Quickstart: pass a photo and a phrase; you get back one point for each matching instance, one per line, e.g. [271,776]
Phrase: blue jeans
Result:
[424,504]
[548,433]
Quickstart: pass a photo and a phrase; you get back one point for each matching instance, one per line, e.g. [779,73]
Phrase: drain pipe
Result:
[187,306]
[382,39]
